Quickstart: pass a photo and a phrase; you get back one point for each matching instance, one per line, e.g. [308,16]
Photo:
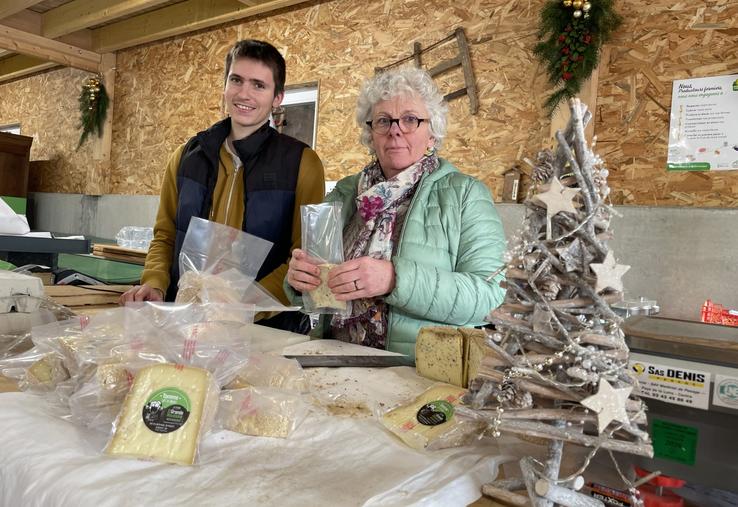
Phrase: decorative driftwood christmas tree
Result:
[557,364]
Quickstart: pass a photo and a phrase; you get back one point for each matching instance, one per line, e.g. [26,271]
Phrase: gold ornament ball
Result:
[577,14]
[586,6]
[577,4]
[567,3]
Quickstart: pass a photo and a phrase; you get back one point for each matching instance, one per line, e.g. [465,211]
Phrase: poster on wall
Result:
[703,130]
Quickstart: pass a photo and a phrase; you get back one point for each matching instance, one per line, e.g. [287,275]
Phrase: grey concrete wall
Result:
[678,256]
[101,216]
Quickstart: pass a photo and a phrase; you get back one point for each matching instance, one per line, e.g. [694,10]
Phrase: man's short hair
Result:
[261,52]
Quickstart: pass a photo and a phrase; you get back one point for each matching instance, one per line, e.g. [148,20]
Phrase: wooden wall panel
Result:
[46,107]
[661,41]
[167,91]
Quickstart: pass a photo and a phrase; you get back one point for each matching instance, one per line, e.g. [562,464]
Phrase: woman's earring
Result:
[430,150]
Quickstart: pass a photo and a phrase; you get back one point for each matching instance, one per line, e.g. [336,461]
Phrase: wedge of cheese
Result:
[428,418]
[322,295]
[46,372]
[165,414]
[474,350]
[439,354]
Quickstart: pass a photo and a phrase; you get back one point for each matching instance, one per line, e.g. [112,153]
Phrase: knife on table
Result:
[325,361]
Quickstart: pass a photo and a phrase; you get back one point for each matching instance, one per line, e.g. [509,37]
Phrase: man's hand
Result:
[141,293]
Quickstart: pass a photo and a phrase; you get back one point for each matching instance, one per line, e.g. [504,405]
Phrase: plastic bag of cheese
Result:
[322,239]
[430,421]
[208,336]
[39,369]
[97,402]
[83,342]
[261,411]
[166,413]
[220,264]
[158,390]
[264,370]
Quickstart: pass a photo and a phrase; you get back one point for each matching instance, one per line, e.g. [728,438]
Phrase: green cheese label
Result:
[674,441]
[166,410]
[435,413]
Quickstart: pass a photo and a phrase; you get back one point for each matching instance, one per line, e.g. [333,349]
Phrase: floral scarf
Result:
[381,205]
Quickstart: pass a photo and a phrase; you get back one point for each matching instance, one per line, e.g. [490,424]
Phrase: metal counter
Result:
[688,376]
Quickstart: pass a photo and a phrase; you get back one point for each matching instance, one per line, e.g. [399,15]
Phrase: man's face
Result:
[249,96]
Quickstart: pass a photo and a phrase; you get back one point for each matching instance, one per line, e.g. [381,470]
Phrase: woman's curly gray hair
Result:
[402,81]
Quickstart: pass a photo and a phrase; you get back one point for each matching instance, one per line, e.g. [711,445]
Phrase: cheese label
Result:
[166,410]
[435,413]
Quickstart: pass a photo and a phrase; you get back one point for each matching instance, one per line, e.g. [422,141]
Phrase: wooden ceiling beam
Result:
[18,66]
[80,14]
[178,19]
[51,50]
[10,7]
[29,21]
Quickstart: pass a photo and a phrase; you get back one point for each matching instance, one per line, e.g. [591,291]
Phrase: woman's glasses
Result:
[407,124]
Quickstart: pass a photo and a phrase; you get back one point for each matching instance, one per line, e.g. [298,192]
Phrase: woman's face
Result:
[397,150]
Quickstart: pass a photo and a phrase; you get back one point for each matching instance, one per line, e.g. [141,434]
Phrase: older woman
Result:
[420,238]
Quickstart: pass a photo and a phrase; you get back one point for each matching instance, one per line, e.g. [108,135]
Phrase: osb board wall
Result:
[46,107]
[337,44]
[661,41]
[167,91]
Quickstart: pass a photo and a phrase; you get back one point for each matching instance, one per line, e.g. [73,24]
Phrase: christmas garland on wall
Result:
[93,108]
[571,34]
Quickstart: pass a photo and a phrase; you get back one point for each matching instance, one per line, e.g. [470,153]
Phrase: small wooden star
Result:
[609,273]
[576,257]
[608,404]
[557,198]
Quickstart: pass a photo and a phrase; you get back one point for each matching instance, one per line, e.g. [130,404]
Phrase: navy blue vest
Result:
[271,165]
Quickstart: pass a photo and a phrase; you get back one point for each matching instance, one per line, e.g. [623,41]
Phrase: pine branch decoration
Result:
[93,108]
[571,34]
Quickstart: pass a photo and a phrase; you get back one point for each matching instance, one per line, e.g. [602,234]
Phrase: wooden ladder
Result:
[463,59]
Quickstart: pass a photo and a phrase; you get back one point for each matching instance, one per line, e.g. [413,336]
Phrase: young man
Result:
[239,172]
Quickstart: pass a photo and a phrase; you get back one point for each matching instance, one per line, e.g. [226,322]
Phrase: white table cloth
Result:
[329,460]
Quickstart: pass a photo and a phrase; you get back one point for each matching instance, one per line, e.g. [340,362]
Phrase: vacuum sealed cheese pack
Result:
[165,414]
[322,239]
[265,370]
[261,412]
[39,369]
[430,420]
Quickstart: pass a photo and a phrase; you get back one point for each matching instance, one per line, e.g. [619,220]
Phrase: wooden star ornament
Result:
[608,404]
[609,273]
[557,198]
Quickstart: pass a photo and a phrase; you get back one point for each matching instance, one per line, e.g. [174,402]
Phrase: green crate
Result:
[108,271]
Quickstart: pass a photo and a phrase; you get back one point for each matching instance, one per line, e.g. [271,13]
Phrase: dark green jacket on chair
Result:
[452,240]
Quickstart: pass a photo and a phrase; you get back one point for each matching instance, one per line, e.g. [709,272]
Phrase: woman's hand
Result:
[303,273]
[141,293]
[364,277]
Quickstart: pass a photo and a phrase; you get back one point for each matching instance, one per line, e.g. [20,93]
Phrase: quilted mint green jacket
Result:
[452,240]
